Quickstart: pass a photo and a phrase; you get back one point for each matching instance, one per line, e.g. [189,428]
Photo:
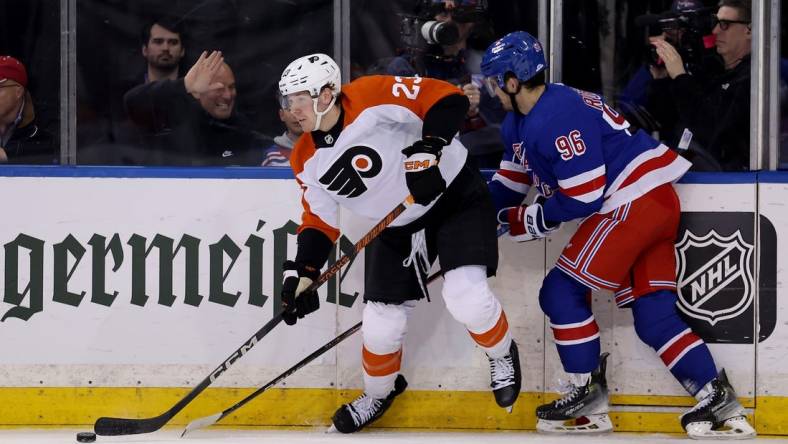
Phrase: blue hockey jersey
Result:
[579,153]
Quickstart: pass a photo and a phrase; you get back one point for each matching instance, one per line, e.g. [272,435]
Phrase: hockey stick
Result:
[107,426]
[213,419]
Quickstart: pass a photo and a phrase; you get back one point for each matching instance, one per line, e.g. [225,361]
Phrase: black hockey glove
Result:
[298,303]
[422,175]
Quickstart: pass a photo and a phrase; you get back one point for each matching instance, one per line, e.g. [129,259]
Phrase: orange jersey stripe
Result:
[494,335]
[370,91]
[304,149]
[381,365]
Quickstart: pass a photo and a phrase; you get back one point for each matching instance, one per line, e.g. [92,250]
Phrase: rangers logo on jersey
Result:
[715,276]
[519,156]
[346,175]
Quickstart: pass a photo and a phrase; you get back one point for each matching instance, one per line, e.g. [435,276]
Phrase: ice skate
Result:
[505,378]
[718,415]
[582,409]
[364,410]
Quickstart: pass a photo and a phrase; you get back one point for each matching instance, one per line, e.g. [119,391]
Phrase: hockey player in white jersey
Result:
[368,145]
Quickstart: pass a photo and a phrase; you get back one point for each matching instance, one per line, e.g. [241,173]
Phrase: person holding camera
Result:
[716,111]
[645,100]
[446,27]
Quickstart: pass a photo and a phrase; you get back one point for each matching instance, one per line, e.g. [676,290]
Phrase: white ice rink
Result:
[317,436]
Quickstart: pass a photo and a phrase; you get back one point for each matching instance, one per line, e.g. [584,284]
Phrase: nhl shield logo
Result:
[715,277]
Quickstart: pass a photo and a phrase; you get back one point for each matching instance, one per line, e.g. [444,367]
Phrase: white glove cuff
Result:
[303,284]
[420,161]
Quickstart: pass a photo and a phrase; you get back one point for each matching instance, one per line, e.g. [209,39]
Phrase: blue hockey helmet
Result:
[519,53]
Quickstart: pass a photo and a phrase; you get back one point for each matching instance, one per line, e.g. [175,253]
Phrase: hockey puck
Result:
[86,437]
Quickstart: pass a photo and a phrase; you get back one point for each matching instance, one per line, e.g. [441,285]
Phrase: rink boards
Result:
[123,288]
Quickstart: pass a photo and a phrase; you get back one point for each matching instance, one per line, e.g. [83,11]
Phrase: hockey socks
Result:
[684,353]
[470,301]
[575,330]
[384,331]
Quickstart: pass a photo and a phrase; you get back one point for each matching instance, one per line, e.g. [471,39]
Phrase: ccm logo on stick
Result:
[226,364]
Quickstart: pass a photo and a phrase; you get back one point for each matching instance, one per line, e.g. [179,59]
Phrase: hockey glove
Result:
[298,303]
[527,222]
[422,175]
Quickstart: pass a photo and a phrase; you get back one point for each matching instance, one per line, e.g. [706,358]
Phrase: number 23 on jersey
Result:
[410,91]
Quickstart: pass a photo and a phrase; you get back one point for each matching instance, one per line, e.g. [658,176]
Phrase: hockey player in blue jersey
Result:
[586,164]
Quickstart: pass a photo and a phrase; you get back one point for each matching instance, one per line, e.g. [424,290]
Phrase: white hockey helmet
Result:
[311,73]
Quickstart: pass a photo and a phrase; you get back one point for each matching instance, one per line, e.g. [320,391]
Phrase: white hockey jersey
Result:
[363,171]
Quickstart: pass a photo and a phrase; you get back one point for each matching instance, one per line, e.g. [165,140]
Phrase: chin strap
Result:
[514,100]
[321,114]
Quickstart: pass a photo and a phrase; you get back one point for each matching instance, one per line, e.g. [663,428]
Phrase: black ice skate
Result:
[364,410]
[583,409]
[505,378]
[718,415]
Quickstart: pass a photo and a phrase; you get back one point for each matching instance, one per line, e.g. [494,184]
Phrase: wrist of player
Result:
[426,145]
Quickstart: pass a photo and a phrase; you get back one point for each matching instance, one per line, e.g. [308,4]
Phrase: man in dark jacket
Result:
[717,112]
[192,121]
[22,141]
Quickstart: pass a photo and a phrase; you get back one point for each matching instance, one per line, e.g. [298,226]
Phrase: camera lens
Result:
[440,33]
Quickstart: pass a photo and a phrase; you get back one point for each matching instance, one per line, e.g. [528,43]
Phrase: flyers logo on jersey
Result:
[345,176]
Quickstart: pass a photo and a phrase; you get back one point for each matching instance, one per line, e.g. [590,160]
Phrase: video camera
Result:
[419,27]
[689,31]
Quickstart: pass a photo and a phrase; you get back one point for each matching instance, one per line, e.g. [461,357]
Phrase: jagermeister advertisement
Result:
[150,271]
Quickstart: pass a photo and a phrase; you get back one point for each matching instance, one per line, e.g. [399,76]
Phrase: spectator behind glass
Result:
[21,140]
[645,99]
[278,154]
[192,121]
[162,47]
[458,64]
[717,111]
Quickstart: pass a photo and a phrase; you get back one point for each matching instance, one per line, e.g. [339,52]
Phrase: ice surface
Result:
[318,436]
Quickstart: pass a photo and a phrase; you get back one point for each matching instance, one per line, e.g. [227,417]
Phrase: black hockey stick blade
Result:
[213,419]
[107,426]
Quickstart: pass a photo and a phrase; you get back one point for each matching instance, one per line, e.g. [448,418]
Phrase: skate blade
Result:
[599,423]
[332,429]
[733,428]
